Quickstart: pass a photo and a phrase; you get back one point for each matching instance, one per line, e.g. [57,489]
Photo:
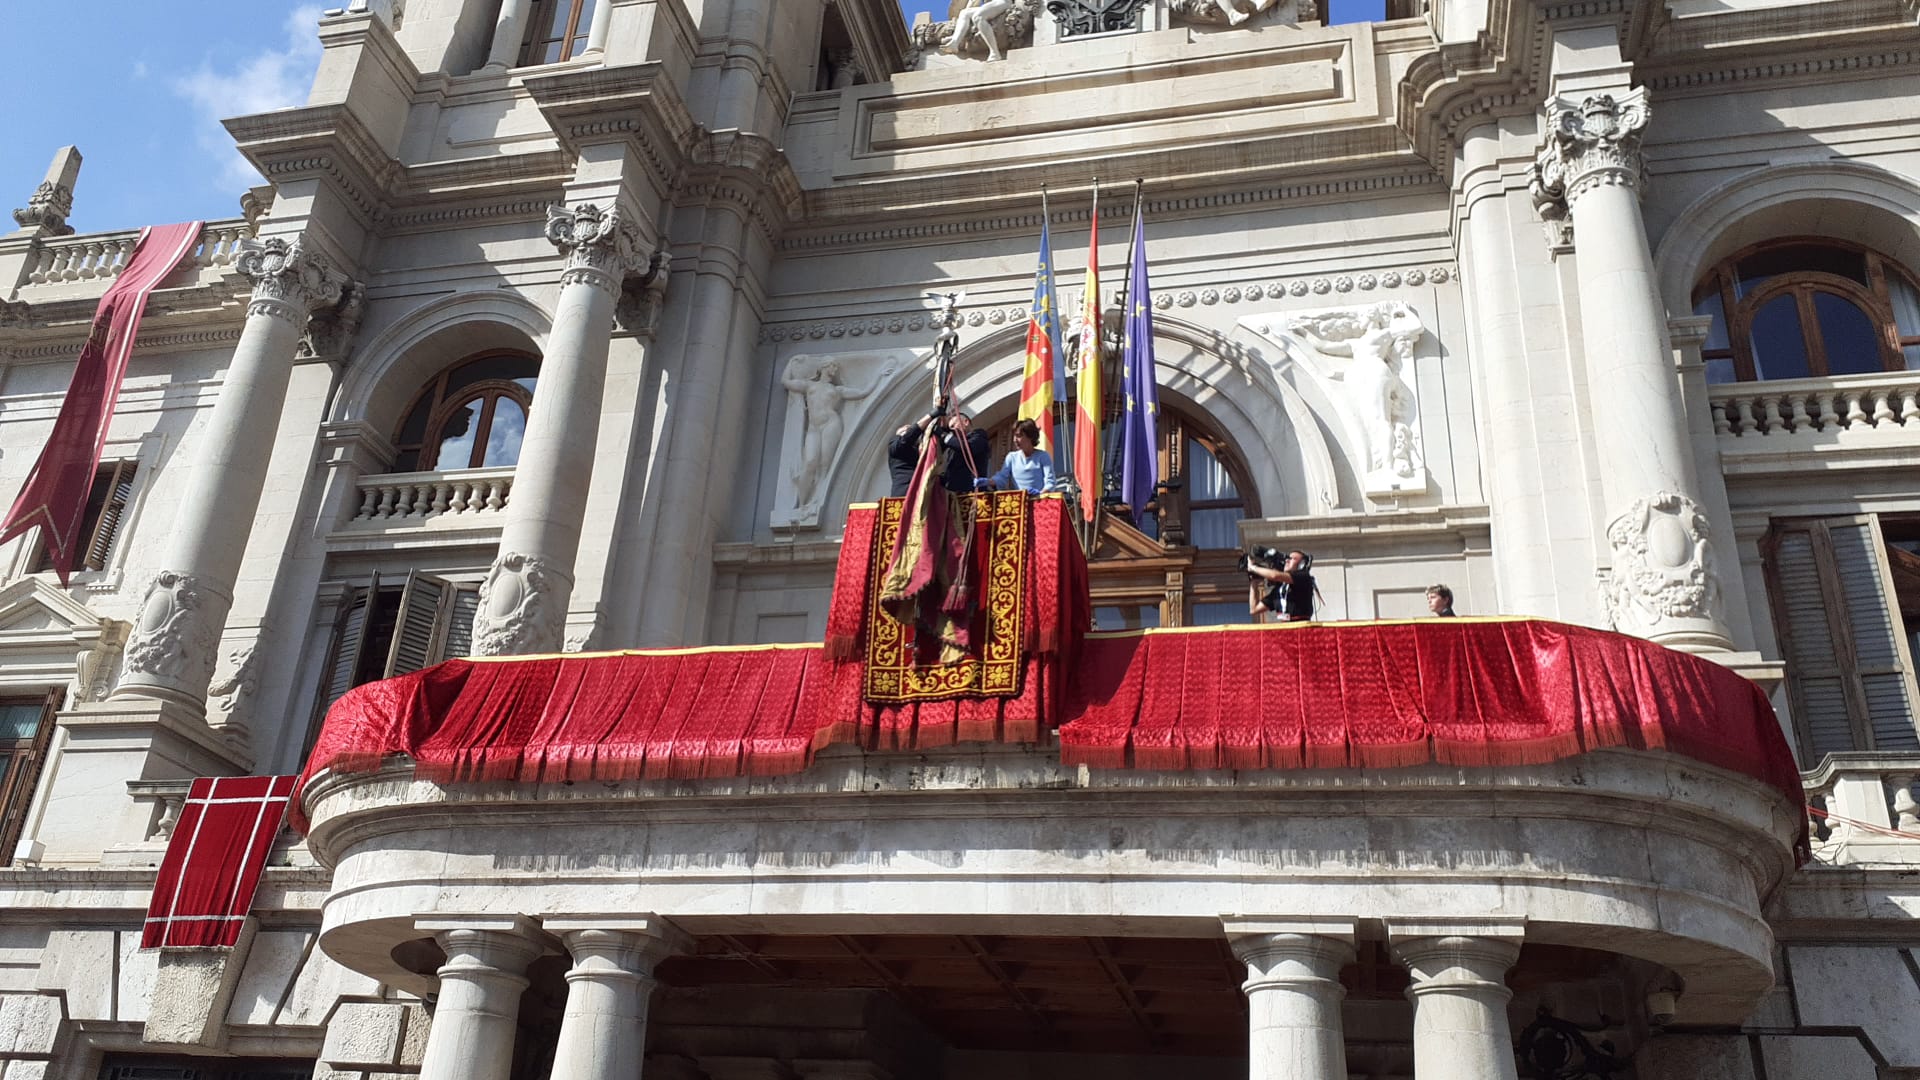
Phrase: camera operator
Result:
[1286,589]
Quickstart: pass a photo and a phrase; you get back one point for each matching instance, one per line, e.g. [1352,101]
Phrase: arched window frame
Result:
[1736,315]
[445,405]
[572,18]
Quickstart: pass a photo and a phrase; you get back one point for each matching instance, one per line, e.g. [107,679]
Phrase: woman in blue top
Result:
[1027,467]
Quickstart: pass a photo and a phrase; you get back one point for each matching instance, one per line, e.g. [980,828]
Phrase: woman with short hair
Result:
[1027,467]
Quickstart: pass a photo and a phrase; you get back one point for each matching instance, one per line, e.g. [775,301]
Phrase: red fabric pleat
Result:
[847,611]
[207,878]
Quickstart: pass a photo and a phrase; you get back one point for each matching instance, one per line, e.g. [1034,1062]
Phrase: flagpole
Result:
[1064,446]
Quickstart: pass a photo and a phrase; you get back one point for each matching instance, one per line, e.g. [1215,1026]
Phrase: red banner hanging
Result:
[208,876]
[55,494]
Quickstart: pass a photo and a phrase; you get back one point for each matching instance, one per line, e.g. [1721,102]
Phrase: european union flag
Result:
[1140,422]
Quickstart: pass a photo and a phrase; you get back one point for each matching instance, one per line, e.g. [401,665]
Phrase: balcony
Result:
[456,503]
[79,267]
[1845,421]
[1864,810]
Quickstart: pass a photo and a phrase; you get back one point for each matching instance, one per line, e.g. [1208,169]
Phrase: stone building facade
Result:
[1600,312]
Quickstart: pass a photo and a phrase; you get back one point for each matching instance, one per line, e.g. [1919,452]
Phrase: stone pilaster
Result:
[604,1029]
[172,650]
[509,30]
[523,603]
[1662,583]
[1294,1028]
[1459,994]
[478,1008]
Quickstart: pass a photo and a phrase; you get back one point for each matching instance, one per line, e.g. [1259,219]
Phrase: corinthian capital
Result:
[288,281]
[601,248]
[1591,141]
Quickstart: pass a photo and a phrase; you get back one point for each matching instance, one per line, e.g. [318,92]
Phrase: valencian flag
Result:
[55,494]
[1088,389]
[1139,425]
[1041,384]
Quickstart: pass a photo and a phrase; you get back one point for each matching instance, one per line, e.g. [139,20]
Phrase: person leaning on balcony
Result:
[1027,467]
[1440,601]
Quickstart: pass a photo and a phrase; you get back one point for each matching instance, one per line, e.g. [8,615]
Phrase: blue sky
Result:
[143,101]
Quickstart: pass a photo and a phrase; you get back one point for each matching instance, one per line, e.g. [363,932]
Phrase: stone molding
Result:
[320,141]
[175,636]
[518,613]
[601,247]
[1591,141]
[289,281]
[1253,292]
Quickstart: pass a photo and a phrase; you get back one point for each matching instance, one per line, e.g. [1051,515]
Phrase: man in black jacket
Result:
[968,465]
[903,452]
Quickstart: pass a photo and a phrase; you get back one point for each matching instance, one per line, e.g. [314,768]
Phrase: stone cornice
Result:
[748,170]
[326,142]
[1166,203]
[635,103]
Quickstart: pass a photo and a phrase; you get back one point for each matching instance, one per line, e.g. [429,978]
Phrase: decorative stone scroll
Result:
[516,614]
[1662,565]
[1365,355]
[175,638]
[1590,142]
[602,248]
[1077,17]
[289,282]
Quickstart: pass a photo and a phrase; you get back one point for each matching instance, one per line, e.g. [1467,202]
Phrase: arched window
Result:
[1179,564]
[556,31]
[1801,307]
[470,416]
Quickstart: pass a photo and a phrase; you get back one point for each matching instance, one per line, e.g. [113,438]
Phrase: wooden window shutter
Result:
[1850,676]
[117,479]
[20,774]
[463,603]
[420,630]
[349,642]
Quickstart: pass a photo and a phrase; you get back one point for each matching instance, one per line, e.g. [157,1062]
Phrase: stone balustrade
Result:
[1864,808]
[1845,403]
[101,256]
[417,496]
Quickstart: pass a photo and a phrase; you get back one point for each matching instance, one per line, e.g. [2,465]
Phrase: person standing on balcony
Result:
[1440,601]
[1287,591]
[1027,467]
[903,452]
[968,454]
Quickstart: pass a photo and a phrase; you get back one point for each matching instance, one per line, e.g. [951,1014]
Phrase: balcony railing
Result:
[1880,401]
[100,256]
[400,498]
[1864,809]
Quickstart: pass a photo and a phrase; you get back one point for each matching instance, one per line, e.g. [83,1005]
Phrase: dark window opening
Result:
[107,502]
[26,727]
[385,630]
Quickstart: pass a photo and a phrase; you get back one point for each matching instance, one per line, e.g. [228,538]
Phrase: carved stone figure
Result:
[980,18]
[1233,12]
[168,640]
[638,310]
[513,616]
[227,692]
[1662,564]
[816,382]
[1380,339]
[330,332]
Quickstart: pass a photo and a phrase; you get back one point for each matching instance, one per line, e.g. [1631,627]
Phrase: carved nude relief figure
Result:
[815,380]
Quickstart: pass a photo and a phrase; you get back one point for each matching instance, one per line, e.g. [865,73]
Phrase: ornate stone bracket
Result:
[517,614]
[330,331]
[602,249]
[1662,565]
[175,639]
[227,695]
[1592,141]
[1078,17]
[47,209]
[289,282]
[638,309]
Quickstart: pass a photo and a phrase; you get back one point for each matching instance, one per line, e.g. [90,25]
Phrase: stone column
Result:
[478,1009]
[523,603]
[1662,583]
[508,31]
[597,29]
[171,653]
[1459,995]
[1294,1029]
[603,1032]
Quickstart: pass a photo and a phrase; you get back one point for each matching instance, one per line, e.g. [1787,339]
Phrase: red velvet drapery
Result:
[1313,695]
[219,846]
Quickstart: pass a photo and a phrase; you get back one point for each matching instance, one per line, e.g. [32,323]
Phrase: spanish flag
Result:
[1043,329]
[1088,388]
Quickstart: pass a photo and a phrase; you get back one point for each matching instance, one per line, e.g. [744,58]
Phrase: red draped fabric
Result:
[1484,692]
[212,866]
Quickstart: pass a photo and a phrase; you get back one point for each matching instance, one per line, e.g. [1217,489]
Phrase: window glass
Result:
[1779,350]
[1208,479]
[507,367]
[19,721]
[1716,334]
[1848,335]
[1218,528]
[1126,617]
[504,433]
[1219,613]
[1906,317]
[1756,269]
[457,436]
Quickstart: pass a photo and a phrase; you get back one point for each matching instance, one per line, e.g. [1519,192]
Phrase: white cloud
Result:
[272,78]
